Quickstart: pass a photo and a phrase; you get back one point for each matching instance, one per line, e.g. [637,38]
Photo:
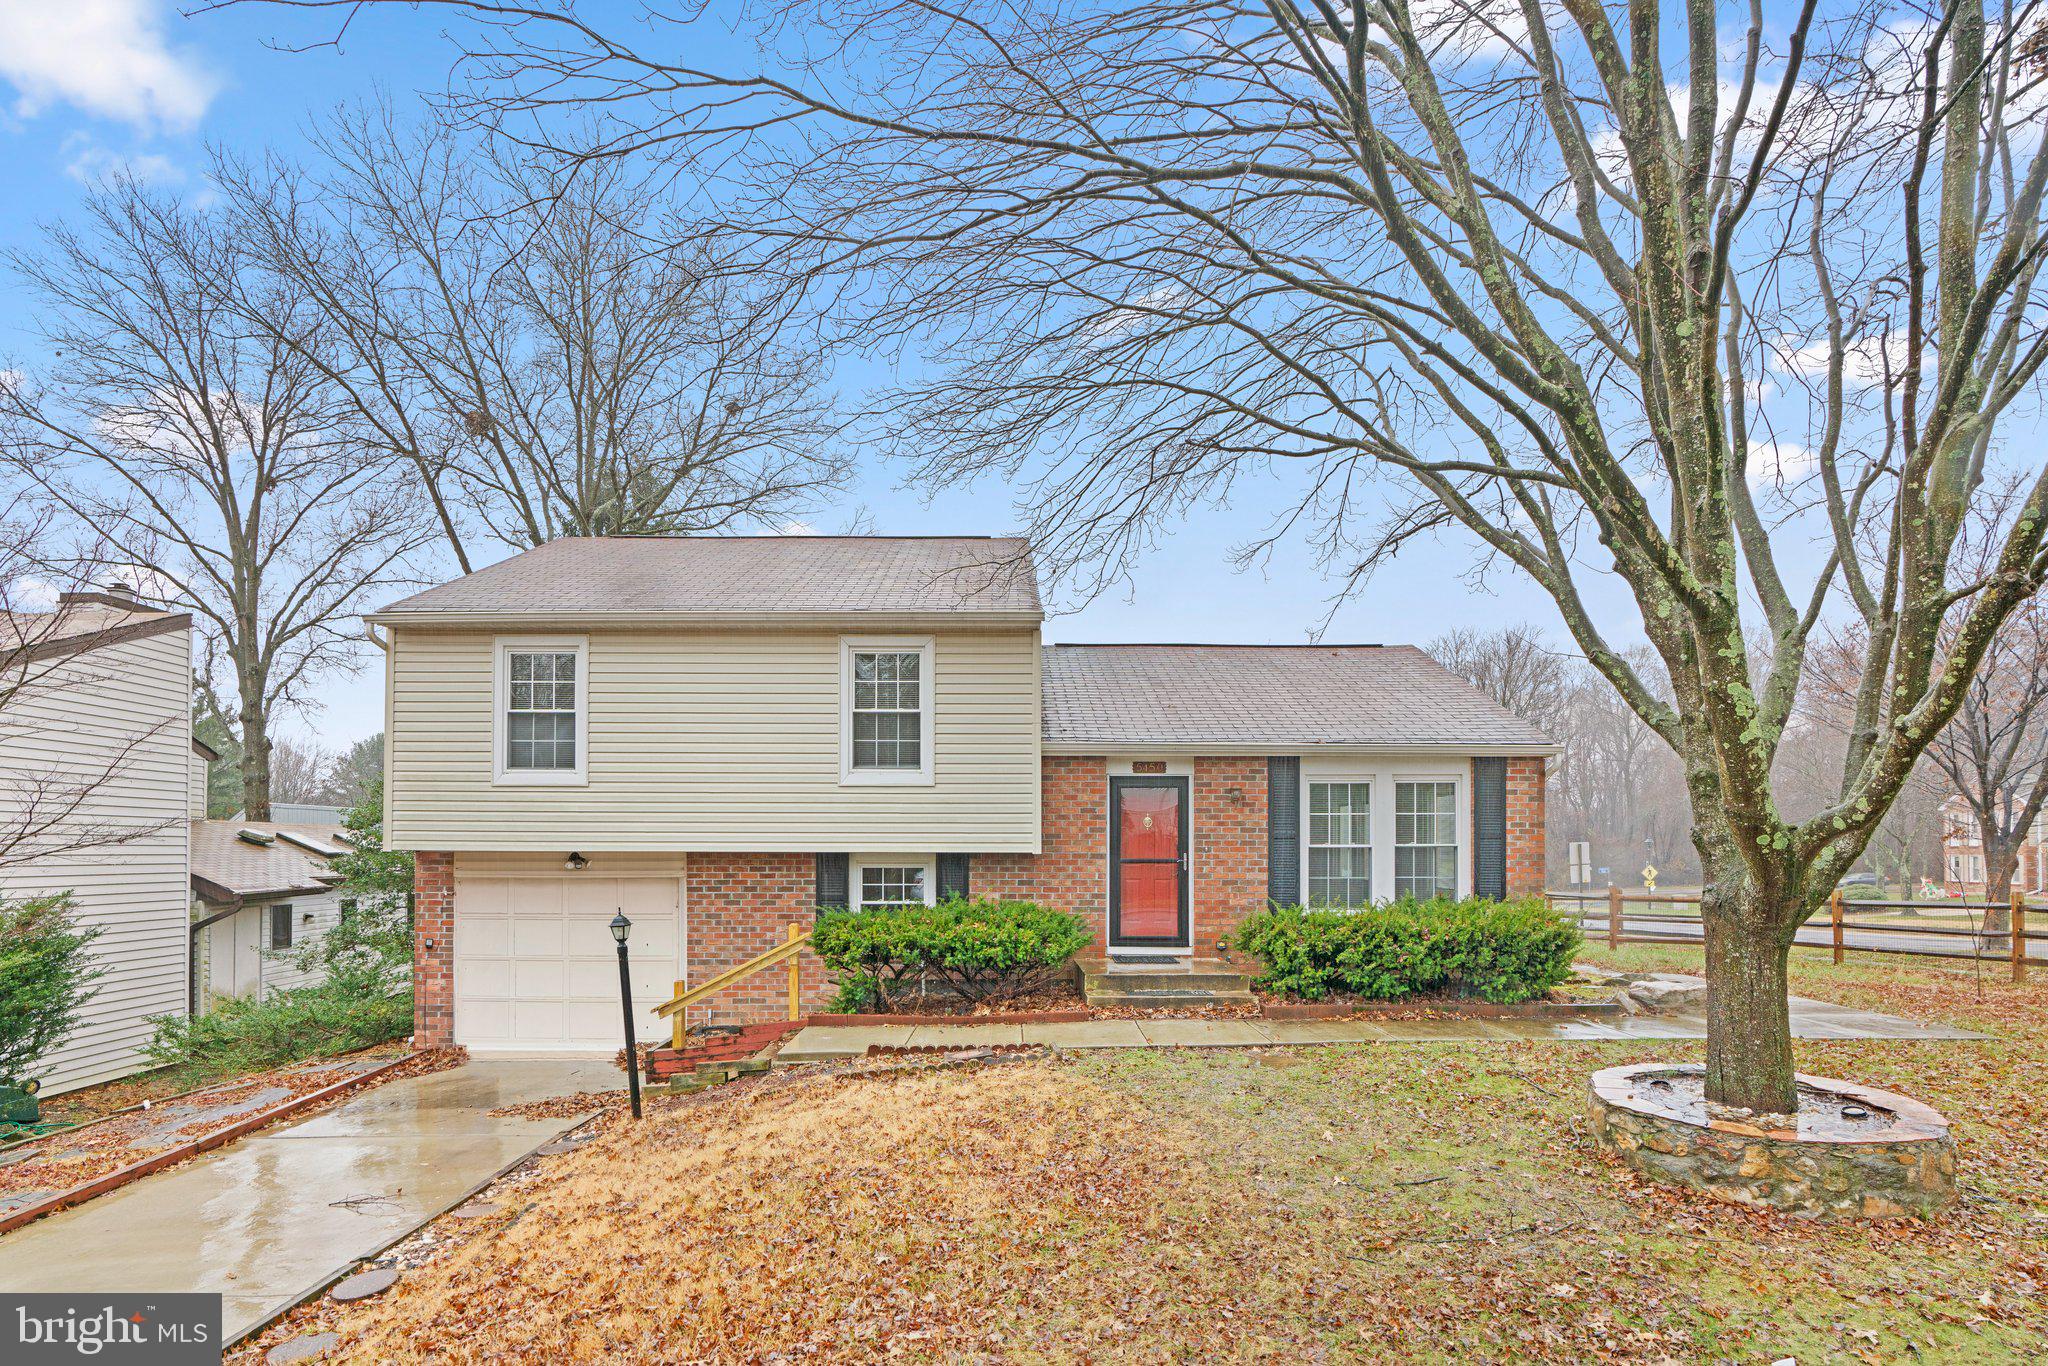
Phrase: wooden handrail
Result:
[789,950]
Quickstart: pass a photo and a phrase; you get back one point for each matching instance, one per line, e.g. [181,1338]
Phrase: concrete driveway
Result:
[266,1219]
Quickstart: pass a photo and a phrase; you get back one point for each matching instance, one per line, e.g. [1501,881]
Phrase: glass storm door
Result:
[1148,863]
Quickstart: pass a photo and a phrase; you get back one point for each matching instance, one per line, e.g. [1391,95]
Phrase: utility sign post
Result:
[1581,859]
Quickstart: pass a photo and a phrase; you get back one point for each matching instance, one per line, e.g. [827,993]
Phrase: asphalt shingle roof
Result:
[226,863]
[750,575]
[1286,695]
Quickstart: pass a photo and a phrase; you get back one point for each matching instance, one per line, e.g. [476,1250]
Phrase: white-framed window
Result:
[541,725]
[885,709]
[1339,843]
[1426,847]
[281,925]
[893,880]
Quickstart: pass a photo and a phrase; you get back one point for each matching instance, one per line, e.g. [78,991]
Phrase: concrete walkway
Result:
[268,1218]
[1810,1020]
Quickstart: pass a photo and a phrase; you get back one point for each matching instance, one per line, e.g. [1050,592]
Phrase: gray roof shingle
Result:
[746,575]
[228,867]
[1289,696]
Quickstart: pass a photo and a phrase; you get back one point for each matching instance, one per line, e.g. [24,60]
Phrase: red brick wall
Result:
[433,949]
[1525,826]
[1072,871]
[739,905]
[1228,876]
[1227,846]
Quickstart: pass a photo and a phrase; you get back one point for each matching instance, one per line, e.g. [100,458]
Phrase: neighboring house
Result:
[105,717]
[719,735]
[1962,854]
[262,891]
[304,813]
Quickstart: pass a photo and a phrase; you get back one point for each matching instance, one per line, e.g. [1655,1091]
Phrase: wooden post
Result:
[1835,919]
[2018,921]
[675,1021]
[1613,916]
[796,932]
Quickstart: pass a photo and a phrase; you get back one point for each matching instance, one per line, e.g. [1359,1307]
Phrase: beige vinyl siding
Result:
[75,718]
[714,740]
[195,775]
[236,957]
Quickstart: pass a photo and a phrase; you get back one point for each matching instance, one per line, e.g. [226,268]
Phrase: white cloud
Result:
[1865,359]
[1779,463]
[106,57]
[796,526]
[91,164]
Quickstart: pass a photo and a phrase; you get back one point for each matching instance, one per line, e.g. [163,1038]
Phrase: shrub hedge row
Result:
[977,949]
[1500,951]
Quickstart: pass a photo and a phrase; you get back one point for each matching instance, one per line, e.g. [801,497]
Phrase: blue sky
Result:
[89,85]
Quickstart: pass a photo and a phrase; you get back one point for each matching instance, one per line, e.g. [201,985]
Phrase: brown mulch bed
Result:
[71,1157]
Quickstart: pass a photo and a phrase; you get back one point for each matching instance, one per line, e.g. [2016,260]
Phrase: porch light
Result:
[575,863]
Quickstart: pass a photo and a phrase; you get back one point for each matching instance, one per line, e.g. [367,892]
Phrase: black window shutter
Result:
[1490,827]
[952,875]
[1283,830]
[832,881]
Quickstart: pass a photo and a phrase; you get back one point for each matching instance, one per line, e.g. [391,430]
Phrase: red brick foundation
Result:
[739,906]
[1525,826]
[433,949]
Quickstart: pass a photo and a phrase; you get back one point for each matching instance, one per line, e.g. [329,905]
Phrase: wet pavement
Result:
[1810,1020]
[268,1218]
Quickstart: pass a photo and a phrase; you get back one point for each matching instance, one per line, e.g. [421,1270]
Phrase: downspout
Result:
[192,956]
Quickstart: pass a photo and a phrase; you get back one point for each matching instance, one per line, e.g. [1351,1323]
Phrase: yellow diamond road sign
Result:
[1650,876]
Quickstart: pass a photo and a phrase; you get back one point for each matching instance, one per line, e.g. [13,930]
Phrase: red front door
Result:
[1148,862]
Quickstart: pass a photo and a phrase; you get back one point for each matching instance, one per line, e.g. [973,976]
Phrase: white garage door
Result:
[536,968]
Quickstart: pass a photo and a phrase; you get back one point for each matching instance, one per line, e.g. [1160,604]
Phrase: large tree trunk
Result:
[255,764]
[1749,1023]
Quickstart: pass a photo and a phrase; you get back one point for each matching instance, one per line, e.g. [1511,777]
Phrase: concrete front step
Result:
[1169,983]
[1169,998]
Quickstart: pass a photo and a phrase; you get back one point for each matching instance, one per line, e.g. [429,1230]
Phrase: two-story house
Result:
[99,774]
[720,735]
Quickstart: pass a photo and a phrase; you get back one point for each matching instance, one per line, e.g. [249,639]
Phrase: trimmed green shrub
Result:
[242,1034]
[978,949]
[46,977]
[1500,951]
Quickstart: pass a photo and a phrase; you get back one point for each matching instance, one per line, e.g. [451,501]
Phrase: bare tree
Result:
[1485,253]
[1994,753]
[1515,666]
[1613,783]
[550,354]
[203,452]
[51,643]
[300,771]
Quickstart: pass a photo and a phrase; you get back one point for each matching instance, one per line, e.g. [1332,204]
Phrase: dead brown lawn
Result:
[1385,1203]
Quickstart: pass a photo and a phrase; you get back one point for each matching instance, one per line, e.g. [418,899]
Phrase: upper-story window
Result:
[542,711]
[886,710]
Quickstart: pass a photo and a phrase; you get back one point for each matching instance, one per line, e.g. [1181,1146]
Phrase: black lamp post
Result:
[621,927]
